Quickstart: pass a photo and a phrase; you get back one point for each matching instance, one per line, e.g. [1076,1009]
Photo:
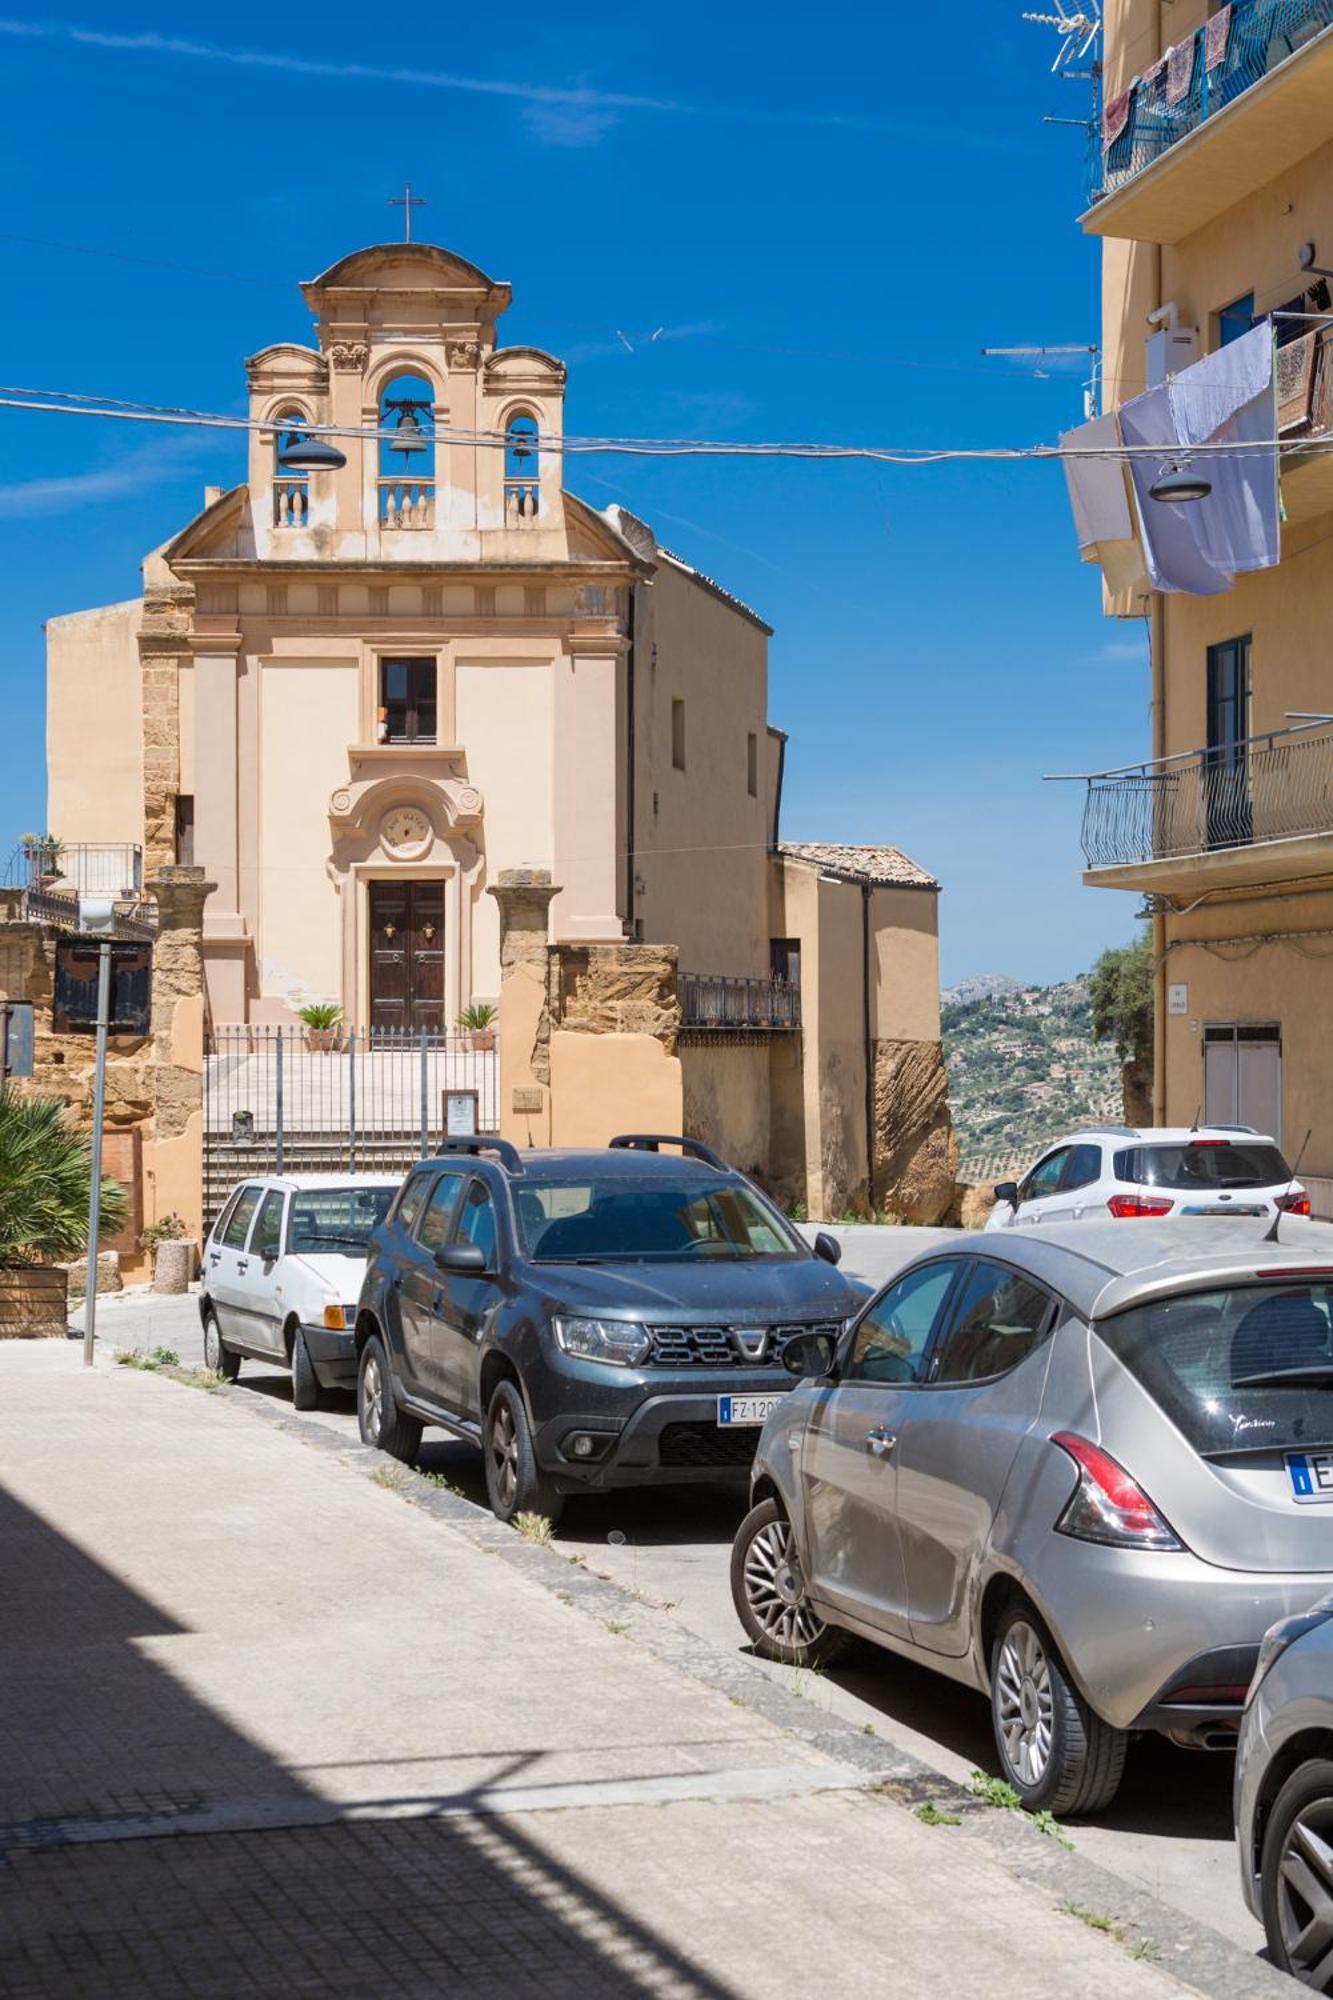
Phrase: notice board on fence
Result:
[131,1004]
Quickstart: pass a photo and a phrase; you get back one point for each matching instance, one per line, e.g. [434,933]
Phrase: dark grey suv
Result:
[592,1319]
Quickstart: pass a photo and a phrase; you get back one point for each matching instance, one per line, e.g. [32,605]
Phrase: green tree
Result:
[1120,989]
[45,1180]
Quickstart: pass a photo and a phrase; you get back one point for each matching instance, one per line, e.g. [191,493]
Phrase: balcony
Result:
[522,503]
[1260,811]
[407,503]
[1264,104]
[291,503]
[47,881]
[711,1004]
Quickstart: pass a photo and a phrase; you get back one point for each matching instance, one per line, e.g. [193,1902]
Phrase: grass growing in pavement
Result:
[161,1357]
[533,1527]
[995,1792]
[390,1476]
[211,1380]
[929,1814]
[442,1480]
[1095,1921]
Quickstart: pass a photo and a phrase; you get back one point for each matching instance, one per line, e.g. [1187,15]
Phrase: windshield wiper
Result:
[314,1244]
[1277,1378]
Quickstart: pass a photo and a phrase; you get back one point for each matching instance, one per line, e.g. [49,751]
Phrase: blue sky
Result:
[828,213]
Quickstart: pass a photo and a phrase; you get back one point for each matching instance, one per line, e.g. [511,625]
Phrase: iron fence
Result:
[297,1100]
[1274,787]
[709,1001]
[1175,98]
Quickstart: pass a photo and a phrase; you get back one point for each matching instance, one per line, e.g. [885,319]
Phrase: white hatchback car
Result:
[282,1274]
[1128,1171]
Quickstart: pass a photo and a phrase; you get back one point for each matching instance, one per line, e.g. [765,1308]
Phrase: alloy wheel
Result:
[1024,1704]
[1305,1896]
[372,1396]
[775,1590]
[504,1454]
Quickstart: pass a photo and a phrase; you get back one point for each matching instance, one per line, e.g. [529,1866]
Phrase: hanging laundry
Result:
[1180,71]
[1152,77]
[1097,494]
[1115,116]
[1215,39]
[1200,546]
[1295,381]
[1321,399]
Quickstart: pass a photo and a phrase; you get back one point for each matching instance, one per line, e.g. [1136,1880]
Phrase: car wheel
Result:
[1058,1756]
[305,1382]
[769,1593]
[217,1356]
[515,1483]
[378,1416]
[1297,1876]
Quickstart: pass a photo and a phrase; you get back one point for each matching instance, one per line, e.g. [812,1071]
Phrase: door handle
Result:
[243,1265]
[215,1256]
[881,1441]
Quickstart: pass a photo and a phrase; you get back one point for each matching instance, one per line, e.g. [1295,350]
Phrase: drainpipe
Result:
[866,1022]
[630,860]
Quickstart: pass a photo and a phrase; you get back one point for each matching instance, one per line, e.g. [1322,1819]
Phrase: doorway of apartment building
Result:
[407,957]
[1242,1075]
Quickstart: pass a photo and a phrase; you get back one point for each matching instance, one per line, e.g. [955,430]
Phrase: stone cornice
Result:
[554,570]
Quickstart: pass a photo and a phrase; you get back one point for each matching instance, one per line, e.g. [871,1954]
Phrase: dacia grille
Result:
[725,1346]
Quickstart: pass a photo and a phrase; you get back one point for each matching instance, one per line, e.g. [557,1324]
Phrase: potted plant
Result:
[478,1023]
[322,1020]
[171,1272]
[45,1179]
[42,853]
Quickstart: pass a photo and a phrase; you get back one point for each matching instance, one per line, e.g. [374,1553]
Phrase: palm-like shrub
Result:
[45,1180]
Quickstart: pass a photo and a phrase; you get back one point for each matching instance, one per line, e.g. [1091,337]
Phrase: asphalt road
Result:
[1170,1829]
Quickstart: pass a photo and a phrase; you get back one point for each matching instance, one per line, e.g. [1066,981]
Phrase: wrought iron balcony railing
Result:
[1205,73]
[1274,787]
[707,1001]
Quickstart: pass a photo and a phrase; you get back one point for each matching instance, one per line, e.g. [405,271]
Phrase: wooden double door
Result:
[407,957]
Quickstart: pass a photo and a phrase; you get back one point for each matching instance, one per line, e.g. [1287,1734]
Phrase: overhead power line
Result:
[65,402]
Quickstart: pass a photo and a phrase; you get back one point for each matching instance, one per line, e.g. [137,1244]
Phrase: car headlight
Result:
[1285,1633]
[618,1340]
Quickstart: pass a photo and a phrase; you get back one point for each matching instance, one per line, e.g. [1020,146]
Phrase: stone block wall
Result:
[915,1168]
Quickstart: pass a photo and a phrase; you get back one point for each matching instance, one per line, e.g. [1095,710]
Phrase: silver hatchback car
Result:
[1083,1472]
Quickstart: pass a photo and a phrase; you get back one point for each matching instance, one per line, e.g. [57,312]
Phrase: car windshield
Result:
[1204,1163]
[598,1218]
[1244,1368]
[334,1221]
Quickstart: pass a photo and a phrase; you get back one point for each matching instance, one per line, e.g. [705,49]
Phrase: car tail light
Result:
[1107,1505]
[1294,1204]
[1122,1205]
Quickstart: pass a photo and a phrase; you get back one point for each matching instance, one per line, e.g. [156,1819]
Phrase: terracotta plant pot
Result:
[322,1041]
[34,1302]
[482,1039]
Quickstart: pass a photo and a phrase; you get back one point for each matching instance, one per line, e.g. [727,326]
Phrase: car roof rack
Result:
[652,1142]
[509,1156]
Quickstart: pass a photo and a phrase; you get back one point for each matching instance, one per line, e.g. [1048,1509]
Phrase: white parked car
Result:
[282,1274]
[1124,1171]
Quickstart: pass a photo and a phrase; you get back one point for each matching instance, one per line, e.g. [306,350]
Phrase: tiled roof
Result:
[885,866]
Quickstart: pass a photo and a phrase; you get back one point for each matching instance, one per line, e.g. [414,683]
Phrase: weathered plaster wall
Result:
[726,1101]
[504,726]
[93,725]
[307,717]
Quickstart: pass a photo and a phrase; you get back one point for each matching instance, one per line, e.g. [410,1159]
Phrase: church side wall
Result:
[307,718]
[94,728]
[504,726]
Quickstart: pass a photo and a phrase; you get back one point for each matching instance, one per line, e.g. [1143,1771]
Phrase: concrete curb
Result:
[1146,1927]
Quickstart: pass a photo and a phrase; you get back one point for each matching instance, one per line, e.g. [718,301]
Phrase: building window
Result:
[784,960]
[407,705]
[752,765]
[678,735]
[184,830]
[1235,320]
[291,490]
[522,470]
[407,453]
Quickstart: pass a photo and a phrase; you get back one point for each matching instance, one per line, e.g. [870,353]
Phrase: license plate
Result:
[1311,1475]
[733,1410]
[1199,1209]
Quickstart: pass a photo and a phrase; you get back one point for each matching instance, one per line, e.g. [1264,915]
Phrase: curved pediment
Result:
[526,367]
[287,366]
[407,267]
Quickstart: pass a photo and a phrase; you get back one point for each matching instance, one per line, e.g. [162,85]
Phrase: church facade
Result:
[360,694]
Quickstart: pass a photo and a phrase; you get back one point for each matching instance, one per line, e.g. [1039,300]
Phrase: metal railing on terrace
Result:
[1273,787]
[1205,73]
[707,1001]
[47,880]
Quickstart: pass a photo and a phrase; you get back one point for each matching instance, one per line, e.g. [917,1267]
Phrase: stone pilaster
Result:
[162,651]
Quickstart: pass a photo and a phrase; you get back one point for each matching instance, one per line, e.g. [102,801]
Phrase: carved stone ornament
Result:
[464,353]
[406,831]
[349,356]
[341,803]
[403,803]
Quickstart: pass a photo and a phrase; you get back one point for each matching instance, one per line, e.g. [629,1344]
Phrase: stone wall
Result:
[167,612]
[916,1150]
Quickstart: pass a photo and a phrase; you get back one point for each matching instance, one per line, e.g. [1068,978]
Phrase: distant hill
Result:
[1023,1068]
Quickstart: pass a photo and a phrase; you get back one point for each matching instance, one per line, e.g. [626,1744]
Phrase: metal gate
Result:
[302,1101]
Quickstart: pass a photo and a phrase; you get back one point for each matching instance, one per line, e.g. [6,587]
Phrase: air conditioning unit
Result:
[1169,350]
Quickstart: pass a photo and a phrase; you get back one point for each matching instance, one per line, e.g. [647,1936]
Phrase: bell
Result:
[302,453]
[407,437]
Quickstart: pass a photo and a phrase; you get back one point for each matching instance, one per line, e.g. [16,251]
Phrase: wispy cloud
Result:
[136,472]
[572,99]
[569,125]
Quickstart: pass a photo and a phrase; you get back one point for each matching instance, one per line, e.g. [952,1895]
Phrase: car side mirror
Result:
[1007,1191]
[828,1247]
[809,1354]
[463,1259]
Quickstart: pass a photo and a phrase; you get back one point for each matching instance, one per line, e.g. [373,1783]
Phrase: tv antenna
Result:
[1079,32]
[1036,355]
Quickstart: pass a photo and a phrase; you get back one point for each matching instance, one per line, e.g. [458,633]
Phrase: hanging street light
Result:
[303,453]
[1180,482]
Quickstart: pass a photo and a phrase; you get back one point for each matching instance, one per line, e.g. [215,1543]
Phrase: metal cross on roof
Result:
[407,201]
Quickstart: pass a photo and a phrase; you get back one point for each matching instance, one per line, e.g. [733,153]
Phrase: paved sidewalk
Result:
[268,1729]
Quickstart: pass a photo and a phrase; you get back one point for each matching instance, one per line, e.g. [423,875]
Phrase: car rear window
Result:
[592,1216]
[336,1221]
[1203,1163]
[1244,1368]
